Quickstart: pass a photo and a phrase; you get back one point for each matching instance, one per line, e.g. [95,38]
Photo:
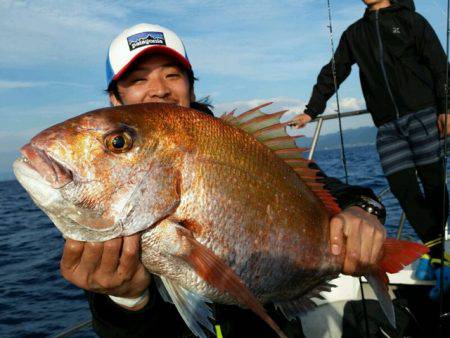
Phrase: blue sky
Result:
[52,55]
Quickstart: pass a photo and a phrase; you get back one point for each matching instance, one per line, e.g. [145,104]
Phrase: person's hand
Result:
[361,236]
[112,267]
[441,125]
[300,121]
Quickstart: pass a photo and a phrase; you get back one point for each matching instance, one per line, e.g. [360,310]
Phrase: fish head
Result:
[104,174]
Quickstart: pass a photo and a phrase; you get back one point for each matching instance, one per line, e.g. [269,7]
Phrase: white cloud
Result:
[16,84]
[5,84]
[346,104]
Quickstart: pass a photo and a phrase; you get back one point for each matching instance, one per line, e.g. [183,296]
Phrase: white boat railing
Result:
[319,125]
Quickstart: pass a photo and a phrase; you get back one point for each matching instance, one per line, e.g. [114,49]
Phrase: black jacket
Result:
[161,319]
[401,62]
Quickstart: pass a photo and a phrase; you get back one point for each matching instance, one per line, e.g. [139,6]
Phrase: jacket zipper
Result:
[383,69]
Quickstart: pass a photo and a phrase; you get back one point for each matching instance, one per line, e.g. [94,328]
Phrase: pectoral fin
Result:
[214,271]
[192,308]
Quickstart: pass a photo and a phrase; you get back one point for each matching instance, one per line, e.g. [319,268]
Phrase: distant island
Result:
[352,137]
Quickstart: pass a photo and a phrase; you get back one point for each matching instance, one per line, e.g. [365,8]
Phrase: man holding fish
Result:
[148,63]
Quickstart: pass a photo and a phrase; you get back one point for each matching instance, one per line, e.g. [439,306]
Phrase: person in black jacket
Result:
[148,63]
[403,72]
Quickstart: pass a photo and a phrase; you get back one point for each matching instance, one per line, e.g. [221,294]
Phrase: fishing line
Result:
[341,134]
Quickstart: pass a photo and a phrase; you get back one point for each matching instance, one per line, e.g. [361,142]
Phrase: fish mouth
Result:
[50,169]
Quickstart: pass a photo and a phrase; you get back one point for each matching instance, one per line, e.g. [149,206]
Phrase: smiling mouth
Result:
[47,167]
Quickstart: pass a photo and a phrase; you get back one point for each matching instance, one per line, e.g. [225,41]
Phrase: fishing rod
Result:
[341,134]
[336,88]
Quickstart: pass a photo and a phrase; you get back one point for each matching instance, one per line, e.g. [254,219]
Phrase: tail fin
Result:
[397,254]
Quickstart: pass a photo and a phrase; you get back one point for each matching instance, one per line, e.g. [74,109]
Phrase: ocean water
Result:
[35,301]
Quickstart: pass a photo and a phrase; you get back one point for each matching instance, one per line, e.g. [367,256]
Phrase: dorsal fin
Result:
[244,117]
[268,130]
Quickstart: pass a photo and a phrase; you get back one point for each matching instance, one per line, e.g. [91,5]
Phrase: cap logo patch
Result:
[145,39]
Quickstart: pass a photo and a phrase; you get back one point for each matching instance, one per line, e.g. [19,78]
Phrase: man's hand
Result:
[441,125]
[300,121]
[112,267]
[364,238]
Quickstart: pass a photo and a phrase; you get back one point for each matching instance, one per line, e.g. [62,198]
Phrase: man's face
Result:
[154,78]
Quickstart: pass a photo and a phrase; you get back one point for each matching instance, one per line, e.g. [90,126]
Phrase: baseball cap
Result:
[138,40]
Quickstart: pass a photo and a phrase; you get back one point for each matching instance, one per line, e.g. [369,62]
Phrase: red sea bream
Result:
[228,209]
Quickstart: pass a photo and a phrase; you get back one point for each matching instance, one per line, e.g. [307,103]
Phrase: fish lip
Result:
[46,165]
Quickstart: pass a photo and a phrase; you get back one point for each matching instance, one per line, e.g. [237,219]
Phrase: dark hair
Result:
[204,105]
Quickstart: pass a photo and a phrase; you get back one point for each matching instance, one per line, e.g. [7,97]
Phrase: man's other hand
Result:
[300,121]
[360,236]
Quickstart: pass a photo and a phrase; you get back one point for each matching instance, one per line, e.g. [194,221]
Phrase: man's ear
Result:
[114,100]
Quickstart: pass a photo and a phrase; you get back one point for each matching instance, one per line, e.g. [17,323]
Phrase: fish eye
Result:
[118,142]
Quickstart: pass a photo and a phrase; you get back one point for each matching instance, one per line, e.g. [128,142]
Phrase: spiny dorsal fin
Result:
[268,130]
[279,143]
[244,117]
[260,122]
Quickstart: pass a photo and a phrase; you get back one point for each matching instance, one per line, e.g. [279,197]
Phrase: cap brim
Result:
[154,50]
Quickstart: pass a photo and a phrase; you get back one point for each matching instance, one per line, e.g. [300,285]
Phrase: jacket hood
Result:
[395,6]
[405,3]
